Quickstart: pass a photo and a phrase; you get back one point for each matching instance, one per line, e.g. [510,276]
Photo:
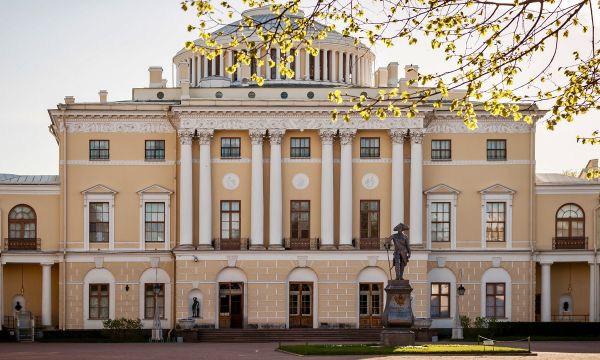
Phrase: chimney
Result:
[69,100]
[103,96]
[392,76]
[156,80]
[381,76]
[411,72]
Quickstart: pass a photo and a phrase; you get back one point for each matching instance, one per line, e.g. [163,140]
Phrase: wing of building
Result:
[250,208]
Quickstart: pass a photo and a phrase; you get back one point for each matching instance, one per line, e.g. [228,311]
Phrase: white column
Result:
[546,292]
[333,67]
[205,190]
[46,294]
[416,187]
[186,206]
[325,65]
[318,66]
[340,64]
[346,204]
[193,68]
[347,68]
[296,64]
[221,64]
[327,188]
[275,191]
[277,61]
[397,216]
[213,66]
[306,65]
[256,206]
[205,65]
[593,291]
[230,62]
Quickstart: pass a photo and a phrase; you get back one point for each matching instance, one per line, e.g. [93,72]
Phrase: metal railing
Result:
[231,244]
[301,244]
[569,243]
[371,244]
[22,244]
[571,318]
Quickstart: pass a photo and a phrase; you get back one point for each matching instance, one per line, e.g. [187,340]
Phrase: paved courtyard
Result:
[198,351]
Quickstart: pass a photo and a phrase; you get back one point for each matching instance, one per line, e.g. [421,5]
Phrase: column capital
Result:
[327,136]
[47,263]
[347,135]
[185,136]
[275,136]
[256,136]
[398,136]
[416,136]
[205,136]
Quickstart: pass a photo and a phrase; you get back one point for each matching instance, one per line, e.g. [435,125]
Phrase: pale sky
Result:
[50,49]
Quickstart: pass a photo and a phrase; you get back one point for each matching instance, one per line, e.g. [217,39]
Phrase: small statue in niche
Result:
[18,307]
[196,308]
[401,249]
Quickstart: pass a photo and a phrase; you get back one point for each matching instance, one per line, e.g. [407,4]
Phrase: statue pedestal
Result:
[398,316]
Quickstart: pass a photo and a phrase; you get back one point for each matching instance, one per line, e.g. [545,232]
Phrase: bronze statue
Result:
[196,308]
[401,249]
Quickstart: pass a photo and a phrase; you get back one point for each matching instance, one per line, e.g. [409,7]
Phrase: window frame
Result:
[99,297]
[367,151]
[494,295]
[441,151]
[449,222]
[368,212]
[370,296]
[439,295]
[442,193]
[90,222]
[22,223]
[154,150]
[298,222]
[98,150]
[230,148]
[497,150]
[239,212]
[146,222]
[570,222]
[164,305]
[98,193]
[300,149]
[489,222]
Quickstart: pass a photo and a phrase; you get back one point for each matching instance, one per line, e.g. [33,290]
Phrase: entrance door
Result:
[301,305]
[231,305]
[370,296]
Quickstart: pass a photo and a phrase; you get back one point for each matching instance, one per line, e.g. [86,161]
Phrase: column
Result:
[333,67]
[256,205]
[221,65]
[347,69]
[546,292]
[346,204]
[193,68]
[593,291]
[186,207]
[205,63]
[318,66]
[213,66]
[325,66]
[267,66]
[327,188]
[296,54]
[340,64]
[230,62]
[205,190]
[306,65]
[46,294]
[275,192]
[277,61]
[397,216]
[416,187]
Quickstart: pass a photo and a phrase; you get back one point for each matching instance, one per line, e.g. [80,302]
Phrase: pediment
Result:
[155,189]
[441,189]
[99,189]
[497,189]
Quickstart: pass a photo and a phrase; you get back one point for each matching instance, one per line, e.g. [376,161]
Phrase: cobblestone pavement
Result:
[200,351]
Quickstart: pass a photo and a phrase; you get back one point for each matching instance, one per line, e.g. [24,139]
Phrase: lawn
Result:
[365,349]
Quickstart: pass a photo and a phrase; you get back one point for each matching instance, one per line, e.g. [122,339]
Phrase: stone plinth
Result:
[397,337]
[398,316]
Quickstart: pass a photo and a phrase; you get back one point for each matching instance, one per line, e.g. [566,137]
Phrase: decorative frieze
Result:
[118,127]
[507,126]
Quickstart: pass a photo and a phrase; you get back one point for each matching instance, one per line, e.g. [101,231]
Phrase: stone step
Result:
[276,335]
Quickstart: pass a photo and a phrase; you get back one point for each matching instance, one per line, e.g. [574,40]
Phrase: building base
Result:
[397,337]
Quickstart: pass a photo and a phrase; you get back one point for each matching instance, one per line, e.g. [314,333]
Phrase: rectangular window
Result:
[230,148]
[155,221]
[441,150]
[99,150]
[369,219]
[495,221]
[370,299]
[300,219]
[495,300]
[230,219]
[440,221]
[369,147]
[440,300]
[150,298]
[155,150]
[300,147]
[98,302]
[496,150]
[99,222]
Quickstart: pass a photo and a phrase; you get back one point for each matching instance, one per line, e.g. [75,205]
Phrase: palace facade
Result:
[252,203]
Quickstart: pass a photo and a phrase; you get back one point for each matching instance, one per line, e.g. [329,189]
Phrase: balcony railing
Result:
[571,318]
[301,244]
[371,244]
[569,243]
[22,244]
[230,244]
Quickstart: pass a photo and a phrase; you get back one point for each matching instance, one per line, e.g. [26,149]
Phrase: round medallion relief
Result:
[300,181]
[231,181]
[370,181]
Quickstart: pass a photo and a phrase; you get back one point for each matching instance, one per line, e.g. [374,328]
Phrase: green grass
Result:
[352,349]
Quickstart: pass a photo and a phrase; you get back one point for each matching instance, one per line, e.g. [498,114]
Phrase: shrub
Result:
[123,329]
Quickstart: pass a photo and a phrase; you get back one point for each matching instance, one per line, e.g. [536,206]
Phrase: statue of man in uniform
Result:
[196,308]
[401,249]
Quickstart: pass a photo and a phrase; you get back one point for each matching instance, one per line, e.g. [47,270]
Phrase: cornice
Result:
[451,124]
[29,189]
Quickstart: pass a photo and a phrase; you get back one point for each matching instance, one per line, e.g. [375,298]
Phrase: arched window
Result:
[22,223]
[570,221]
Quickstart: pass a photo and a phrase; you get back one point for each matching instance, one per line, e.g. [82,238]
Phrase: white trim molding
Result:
[370,274]
[99,193]
[476,162]
[497,275]
[442,275]
[155,193]
[497,193]
[98,276]
[118,162]
[30,189]
[442,193]
[151,276]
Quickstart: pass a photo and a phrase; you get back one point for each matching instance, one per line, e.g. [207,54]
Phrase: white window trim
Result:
[447,197]
[506,198]
[371,274]
[152,276]
[98,276]
[90,198]
[155,197]
[497,275]
[442,275]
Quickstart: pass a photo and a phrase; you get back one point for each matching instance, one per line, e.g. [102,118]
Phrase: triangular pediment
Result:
[99,189]
[441,189]
[497,189]
[155,189]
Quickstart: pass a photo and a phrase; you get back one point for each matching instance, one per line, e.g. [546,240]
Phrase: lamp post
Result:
[457,331]
[157,327]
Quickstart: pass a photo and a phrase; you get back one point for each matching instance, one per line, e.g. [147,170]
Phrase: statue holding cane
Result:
[401,249]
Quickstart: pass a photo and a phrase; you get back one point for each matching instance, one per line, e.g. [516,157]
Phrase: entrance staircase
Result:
[282,335]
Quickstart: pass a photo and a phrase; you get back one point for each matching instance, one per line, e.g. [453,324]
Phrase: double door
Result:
[301,305]
[231,305]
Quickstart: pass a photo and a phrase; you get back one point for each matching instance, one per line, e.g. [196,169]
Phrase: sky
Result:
[50,49]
